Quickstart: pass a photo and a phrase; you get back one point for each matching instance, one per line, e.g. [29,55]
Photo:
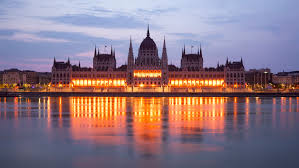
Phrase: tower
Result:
[200,59]
[164,65]
[130,66]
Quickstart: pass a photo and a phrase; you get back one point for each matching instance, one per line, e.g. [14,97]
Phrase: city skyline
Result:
[32,34]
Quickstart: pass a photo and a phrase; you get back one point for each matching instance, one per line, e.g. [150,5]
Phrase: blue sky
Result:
[263,32]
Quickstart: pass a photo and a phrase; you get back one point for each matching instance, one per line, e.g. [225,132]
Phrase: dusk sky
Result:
[263,32]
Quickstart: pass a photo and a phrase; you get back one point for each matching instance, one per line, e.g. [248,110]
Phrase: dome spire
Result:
[148,33]
[200,51]
[164,43]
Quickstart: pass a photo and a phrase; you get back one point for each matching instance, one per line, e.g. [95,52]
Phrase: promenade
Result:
[145,94]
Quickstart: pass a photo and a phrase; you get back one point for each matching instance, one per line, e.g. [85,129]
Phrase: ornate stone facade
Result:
[148,71]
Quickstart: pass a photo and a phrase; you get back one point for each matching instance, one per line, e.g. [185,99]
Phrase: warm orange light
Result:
[100,83]
[196,83]
[147,73]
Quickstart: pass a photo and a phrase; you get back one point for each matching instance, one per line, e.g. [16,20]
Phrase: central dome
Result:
[148,54]
[148,43]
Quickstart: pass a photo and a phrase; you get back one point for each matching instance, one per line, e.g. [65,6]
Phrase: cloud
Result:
[85,54]
[118,21]
[25,37]
[219,20]
[186,35]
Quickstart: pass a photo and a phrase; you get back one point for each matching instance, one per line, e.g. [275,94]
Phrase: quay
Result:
[146,94]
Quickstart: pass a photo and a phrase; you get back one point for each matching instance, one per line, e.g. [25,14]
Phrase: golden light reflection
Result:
[147,124]
[88,114]
[274,112]
[283,104]
[16,107]
[193,113]
[235,113]
[247,111]
[290,104]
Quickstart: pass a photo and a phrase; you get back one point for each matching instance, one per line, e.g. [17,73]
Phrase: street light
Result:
[265,78]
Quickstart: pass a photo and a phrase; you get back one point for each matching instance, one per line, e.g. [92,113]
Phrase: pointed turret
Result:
[130,65]
[164,52]
[95,50]
[130,56]
[200,51]
[111,50]
[79,65]
[148,32]
[226,60]
[164,64]
[54,60]
[98,51]
[184,49]
[68,60]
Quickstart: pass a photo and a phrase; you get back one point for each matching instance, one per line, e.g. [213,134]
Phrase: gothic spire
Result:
[95,50]
[226,60]
[164,43]
[111,50]
[98,51]
[164,64]
[130,42]
[184,49]
[164,52]
[200,51]
[54,60]
[79,65]
[148,33]
[130,56]
[68,60]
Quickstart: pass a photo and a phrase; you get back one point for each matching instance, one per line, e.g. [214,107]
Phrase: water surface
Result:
[149,132]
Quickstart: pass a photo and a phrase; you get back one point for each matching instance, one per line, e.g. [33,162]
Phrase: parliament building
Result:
[148,72]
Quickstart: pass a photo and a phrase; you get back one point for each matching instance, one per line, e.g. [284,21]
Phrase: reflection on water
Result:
[151,127]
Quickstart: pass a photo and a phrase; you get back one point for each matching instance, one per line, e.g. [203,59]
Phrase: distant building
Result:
[12,76]
[234,74]
[148,71]
[15,76]
[30,77]
[1,77]
[261,77]
[44,78]
[286,78]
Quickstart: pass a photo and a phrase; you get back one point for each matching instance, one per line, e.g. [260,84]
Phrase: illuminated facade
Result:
[148,72]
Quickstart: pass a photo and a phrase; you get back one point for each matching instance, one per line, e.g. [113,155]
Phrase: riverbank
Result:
[144,94]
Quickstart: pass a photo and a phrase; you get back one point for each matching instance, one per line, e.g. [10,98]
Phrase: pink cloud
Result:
[25,37]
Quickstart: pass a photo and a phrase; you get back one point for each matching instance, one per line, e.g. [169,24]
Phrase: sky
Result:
[264,33]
